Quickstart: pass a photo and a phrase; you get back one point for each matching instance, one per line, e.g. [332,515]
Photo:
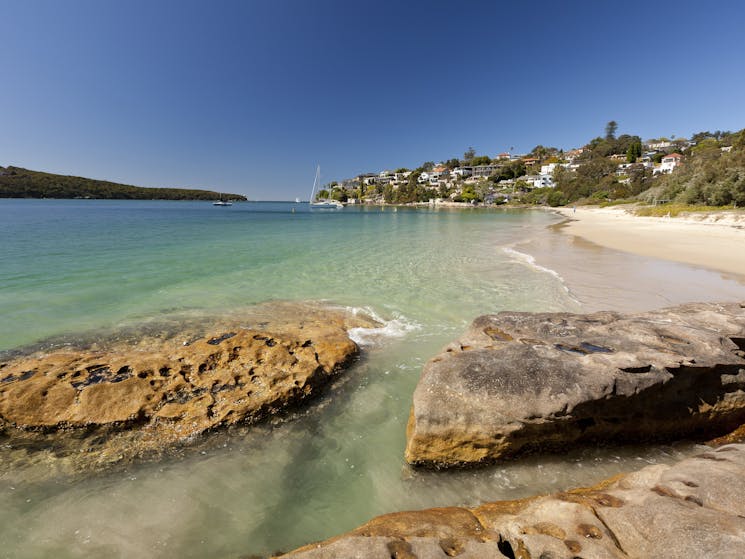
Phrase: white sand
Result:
[715,241]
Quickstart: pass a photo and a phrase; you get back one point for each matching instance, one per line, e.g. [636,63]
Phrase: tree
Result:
[427,166]
[542,152]
[469,154]
[452,163]
[339,194]
[610,130]
[634,151]
[481,160]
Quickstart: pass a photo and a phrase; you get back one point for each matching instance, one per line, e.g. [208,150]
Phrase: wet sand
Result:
[713,241]
[624,278]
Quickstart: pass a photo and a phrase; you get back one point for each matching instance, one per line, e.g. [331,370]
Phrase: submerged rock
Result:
[695,508]
[128,399]
[542,381]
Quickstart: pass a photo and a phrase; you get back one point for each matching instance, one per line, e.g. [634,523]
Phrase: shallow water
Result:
[70,267]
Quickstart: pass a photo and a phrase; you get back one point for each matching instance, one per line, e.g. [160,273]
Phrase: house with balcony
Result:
[484,171]
[669,163]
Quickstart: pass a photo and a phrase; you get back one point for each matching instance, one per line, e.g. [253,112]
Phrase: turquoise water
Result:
[80,264]
[69,268]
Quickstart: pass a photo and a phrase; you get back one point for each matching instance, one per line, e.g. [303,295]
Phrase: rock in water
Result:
[542,381]
[143,397]
[695,508]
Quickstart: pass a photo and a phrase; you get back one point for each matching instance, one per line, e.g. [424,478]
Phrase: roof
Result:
[675,155]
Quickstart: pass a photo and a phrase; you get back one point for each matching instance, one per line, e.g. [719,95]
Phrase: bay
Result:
[72,269]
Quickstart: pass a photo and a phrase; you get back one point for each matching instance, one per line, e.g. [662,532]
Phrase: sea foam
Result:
[396,327]
[529,261]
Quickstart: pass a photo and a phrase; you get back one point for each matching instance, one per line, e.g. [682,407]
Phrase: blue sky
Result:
[247,96]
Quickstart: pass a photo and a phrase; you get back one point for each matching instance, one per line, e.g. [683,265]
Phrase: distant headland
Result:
[16,182]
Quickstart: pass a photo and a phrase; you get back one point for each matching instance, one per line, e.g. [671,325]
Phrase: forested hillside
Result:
[16,182]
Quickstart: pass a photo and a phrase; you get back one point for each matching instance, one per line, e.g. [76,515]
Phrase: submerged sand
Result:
[715,241]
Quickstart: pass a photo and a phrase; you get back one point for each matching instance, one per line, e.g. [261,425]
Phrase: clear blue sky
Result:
[247,96]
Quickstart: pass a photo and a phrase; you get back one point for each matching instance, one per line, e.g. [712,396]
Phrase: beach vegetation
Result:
[673,209]
[619,202]
[468,194]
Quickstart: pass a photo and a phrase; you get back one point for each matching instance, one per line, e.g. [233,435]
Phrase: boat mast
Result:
[315,182]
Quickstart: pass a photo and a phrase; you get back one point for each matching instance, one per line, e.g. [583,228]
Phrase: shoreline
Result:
[709,241]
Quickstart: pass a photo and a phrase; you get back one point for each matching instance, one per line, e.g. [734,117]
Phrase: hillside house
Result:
[484,170]
[669,163]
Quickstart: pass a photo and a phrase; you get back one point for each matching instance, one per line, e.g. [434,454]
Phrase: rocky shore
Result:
[695,508]
[123,400]
[517,382]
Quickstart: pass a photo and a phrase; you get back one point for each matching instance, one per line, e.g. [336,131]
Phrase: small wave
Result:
[529,261]
[396,327]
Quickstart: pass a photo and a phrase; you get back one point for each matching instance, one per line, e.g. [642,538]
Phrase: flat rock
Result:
[518,382]
[160,390]
[691,509]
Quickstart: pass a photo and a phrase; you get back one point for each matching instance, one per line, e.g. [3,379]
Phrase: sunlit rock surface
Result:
[695,508]
[519,382]
[127,397]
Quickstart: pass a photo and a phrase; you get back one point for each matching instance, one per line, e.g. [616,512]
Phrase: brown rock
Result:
[699,513]
[167,390]
[519,382]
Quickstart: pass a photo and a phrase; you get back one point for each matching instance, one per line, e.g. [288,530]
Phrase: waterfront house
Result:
[435,176]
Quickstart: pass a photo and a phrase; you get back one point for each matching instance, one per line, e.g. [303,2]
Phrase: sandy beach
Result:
[715,241]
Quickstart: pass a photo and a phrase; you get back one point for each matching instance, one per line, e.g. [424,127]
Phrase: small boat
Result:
[222,202]
[325,203]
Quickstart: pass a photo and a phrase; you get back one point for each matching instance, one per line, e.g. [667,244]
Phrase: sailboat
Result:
[326,203]
[222,202]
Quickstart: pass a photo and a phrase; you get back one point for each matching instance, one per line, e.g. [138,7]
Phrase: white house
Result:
[541,181]
[434,176]
[461,172]
[548,169]
[669,163]
[658,145]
